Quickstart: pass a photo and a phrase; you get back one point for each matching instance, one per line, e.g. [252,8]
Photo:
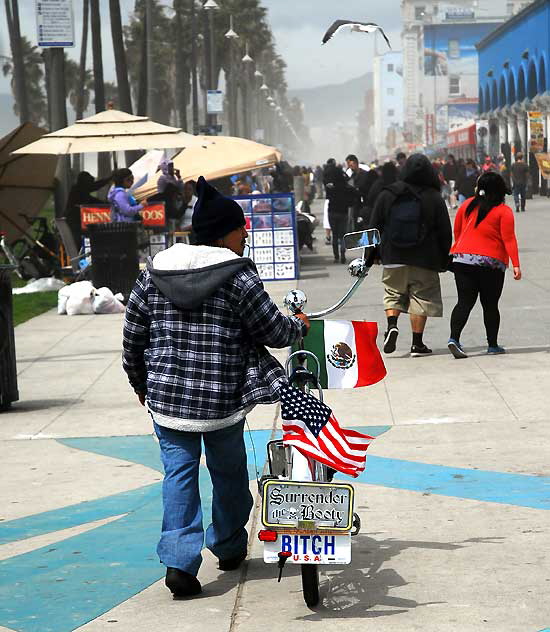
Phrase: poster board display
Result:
[543,161]
[536,132]
[273,237]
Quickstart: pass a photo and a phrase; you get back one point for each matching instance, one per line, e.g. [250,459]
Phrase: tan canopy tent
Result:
[222,156]
[111,131]
[26,181]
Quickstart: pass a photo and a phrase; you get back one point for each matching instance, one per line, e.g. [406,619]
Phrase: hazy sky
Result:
[298,26]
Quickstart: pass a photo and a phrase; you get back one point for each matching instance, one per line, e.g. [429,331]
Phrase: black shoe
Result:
[417,351]
[182,584]
[390,338]
[517,209]
[231,563]
[336,260]
[343,259]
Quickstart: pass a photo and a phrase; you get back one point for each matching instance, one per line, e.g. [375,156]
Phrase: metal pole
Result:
[213,85]
[58,119]
[194,61]
[149,38]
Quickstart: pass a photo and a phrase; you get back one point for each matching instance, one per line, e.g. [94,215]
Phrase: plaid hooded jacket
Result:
[194,333]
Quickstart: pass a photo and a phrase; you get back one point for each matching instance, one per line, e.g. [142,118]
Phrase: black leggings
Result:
[471,282]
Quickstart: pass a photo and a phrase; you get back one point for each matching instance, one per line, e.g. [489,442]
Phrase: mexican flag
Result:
[347,353]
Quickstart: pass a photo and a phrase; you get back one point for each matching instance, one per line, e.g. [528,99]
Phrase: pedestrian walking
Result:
[362,181]
[400,159]
[488,165]
[520,175]
[389,174]
[196,324]
[341,197]
[124,206]
[318,178]
[466,183]
[415,240]
[450,175]
[484,243]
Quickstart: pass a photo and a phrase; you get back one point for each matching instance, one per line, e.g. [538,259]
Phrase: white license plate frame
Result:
[315,548]
[320,514]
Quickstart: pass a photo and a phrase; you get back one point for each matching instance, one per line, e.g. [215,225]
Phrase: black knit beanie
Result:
[215,216]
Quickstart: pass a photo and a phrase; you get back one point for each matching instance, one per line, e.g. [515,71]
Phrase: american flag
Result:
[310,426]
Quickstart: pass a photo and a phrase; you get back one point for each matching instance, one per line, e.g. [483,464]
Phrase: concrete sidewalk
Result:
[454,501]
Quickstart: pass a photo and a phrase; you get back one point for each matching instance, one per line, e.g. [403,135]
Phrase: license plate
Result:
[326,505]
[310,549]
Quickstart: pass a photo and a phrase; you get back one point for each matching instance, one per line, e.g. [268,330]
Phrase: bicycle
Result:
[305,535]
[37,256]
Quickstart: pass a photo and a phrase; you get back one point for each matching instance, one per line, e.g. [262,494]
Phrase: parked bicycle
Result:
[316,531]
[37,253]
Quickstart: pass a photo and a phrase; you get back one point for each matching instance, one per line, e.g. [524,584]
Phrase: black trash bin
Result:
[115,261]
[8,367]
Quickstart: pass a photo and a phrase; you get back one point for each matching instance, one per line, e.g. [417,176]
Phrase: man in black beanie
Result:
[195,334]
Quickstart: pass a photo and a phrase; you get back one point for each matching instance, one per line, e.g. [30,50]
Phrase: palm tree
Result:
[183,71]
[121,66]
[103,159]
[99,85]
[35,97]
[18,66]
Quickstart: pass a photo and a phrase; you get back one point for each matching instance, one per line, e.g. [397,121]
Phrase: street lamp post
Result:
[247,92]
[231,81]
[210,6]
[264,89]
[258,76]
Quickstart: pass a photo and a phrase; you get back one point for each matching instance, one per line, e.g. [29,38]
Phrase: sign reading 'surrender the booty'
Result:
[329,506]
[55,23]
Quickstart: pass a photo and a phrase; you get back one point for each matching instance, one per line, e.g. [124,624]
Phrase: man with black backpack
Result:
[416,237]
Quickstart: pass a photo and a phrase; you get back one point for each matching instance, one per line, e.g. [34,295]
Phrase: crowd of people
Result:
[408,200]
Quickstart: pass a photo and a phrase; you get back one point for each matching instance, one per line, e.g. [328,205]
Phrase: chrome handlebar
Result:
[296,300]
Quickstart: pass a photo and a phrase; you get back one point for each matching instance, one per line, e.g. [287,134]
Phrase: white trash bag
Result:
[80,297]
[105,302]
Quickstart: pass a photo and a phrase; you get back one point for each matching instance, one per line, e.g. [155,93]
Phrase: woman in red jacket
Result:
[484,243]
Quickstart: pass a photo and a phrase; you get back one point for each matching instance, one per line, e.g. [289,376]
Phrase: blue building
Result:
[514,80]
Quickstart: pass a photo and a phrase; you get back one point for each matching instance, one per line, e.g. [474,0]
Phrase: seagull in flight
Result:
[363,27]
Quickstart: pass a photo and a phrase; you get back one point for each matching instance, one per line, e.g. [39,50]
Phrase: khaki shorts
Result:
[413,290]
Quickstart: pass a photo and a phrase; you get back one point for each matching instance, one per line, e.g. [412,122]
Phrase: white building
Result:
[388,102]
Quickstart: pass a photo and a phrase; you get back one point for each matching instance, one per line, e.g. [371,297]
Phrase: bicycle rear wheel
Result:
[310,584]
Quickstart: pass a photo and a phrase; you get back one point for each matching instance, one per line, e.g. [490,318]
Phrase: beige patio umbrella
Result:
[26,182]
[217,157]
[112,131]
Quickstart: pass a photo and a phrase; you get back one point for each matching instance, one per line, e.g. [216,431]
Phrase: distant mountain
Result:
[8,120]
[335,103]
[330,112]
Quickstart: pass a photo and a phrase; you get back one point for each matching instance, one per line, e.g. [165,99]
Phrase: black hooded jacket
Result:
[419,178]
[340,194]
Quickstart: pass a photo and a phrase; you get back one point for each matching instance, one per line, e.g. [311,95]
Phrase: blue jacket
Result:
[123,205]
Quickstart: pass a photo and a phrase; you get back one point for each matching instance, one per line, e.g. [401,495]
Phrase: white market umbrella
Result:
[111,131]
[145,167]
[219,156]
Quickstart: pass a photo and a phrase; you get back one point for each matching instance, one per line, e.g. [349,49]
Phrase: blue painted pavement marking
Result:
[60,587]
[495,487]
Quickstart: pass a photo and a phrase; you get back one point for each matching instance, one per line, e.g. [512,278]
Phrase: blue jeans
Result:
[182,536]
[519,191]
